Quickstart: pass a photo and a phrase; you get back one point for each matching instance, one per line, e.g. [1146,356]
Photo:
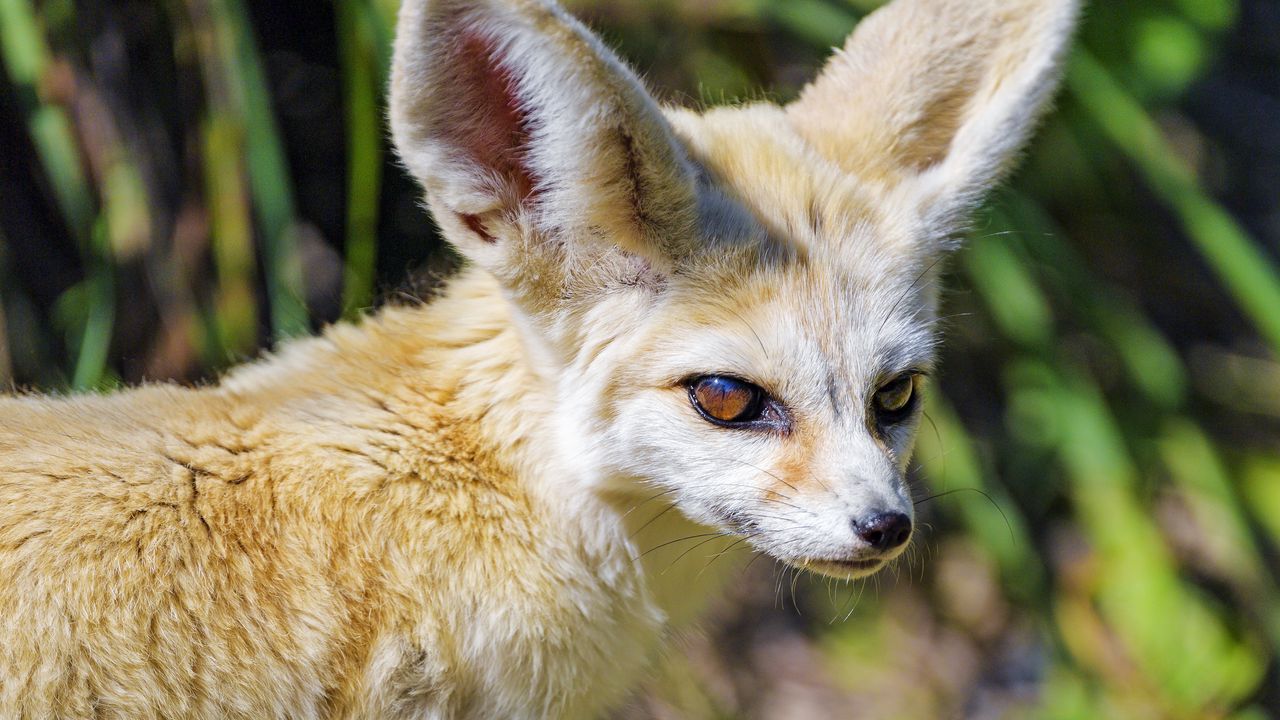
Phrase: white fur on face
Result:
[820,345]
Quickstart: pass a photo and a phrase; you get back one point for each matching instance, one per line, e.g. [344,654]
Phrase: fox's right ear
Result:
[531,138]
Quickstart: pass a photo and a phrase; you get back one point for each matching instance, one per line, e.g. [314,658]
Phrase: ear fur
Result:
[530,137]
[934,98]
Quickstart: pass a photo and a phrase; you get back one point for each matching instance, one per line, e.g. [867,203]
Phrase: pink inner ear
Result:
[487,121]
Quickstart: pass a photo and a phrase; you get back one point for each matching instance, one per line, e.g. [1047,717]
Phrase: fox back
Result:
[673,327]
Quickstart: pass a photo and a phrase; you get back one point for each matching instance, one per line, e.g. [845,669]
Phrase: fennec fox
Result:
[458,510]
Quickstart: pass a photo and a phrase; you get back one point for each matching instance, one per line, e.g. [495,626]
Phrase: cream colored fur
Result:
[477,508]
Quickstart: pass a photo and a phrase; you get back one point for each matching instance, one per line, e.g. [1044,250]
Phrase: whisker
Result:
[651,520]
[673,542]
[753,561]
[720,554]
[760,469]
[819,481]
[937,435]
[1008,525]
[672,564]
[763,349]
[894,308]
[855,598]
[943,318]
[787,504]
[644,502]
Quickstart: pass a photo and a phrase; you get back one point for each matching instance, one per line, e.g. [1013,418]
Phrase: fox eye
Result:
[726,400]
[895,399]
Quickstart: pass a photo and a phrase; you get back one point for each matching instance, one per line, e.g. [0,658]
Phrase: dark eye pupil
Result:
[896,395]
[726,399]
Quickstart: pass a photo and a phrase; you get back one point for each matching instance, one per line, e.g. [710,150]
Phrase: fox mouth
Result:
[846,569]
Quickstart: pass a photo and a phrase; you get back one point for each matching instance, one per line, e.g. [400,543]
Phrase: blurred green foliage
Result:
[184,182]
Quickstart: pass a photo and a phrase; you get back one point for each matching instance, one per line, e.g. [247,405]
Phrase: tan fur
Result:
[460,510]
[249,550]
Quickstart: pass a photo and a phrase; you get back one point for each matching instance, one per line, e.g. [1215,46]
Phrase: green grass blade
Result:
[1197,469]
[27,58]
[95,341]
[364,75]
[234,321]
[819,23]
[1247,273]
[269,179]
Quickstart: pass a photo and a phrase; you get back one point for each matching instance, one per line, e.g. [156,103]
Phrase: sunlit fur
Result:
[500,503]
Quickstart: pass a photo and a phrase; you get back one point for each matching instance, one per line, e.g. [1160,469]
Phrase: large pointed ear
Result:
[935,98]
[530,137]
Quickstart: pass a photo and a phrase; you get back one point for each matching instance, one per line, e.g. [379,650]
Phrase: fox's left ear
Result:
[933,99]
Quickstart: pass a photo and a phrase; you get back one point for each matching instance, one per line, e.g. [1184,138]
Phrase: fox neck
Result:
[537,412]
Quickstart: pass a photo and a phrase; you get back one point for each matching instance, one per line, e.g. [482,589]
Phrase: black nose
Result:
[884,531]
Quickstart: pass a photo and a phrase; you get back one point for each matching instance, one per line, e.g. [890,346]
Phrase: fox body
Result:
[460,509]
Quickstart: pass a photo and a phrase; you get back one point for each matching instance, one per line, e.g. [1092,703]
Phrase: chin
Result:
[843,569]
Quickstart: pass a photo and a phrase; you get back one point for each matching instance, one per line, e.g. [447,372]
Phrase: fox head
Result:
[736,307]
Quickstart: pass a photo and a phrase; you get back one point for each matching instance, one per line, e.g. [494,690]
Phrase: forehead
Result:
[754,157]
[793,322]
[821,279]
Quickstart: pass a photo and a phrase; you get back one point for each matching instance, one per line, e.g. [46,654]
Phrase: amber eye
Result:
[894,397]
[725,399]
